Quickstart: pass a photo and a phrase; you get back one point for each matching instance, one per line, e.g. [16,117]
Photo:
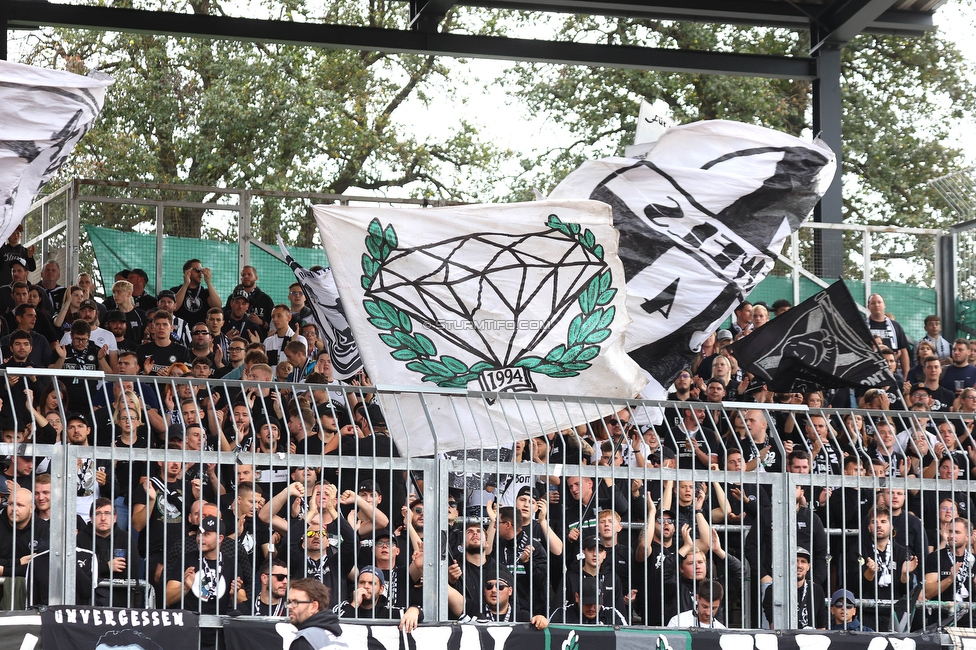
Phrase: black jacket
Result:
[317,632]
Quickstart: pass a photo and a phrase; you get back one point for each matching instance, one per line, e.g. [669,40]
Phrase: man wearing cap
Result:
[88,312]
[587,607]
[205,582]
[192,298]
[594,566]
[811,610]
[843,612]
[365,516]
[498,602]
[369,600]
[139,279]
[162,351]
[260,304]
[238,322]
[116,323]
[180,330]
[708,600]
[94,476]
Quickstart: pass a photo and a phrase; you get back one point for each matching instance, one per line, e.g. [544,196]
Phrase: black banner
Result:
[20,631]
[260,635]
[87,628]
[823,342]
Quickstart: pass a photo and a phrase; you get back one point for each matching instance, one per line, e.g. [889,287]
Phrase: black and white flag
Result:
[821,343]
[322,297]
[514,300]
[43,115]
[701,218]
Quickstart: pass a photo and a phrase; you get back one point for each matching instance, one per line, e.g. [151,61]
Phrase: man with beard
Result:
[811,610]
[81,354]
[325,547]
[369,601]
[949,576]
[308,610]
[273,589]
[468,581]
[885,567]
[527,562]
[206,581]
[708,600]
[498,602]
[260,304]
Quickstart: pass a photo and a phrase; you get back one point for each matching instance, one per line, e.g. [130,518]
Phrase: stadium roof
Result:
[831,23]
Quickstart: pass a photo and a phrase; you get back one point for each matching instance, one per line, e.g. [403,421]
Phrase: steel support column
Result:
[828,247]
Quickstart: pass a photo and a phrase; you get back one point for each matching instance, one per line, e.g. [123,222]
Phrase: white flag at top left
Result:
[521,299]
[43,115]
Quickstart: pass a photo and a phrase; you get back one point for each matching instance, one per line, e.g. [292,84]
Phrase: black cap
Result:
[590,591]
[115,315]
[240,293]
[493,572]
[81,417]
[268,419]
[590,541]
[88,303]
[212,524]
[525,489]
[166,293]
[367,485]
[920,386]
[175,432]
[142,274]
[386,533]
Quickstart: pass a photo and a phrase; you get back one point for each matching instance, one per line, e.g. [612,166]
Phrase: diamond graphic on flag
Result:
[432,286]
[438,285]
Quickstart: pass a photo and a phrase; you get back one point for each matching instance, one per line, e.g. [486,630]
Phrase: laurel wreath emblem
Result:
[587,330]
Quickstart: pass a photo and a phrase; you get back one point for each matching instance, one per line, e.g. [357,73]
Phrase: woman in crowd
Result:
[69,310]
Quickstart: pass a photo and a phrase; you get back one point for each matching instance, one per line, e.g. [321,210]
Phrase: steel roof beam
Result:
[27,13]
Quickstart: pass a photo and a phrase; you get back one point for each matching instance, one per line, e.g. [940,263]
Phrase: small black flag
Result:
[822,342]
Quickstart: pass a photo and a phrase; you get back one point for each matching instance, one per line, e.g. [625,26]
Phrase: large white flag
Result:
[701,218]
[43,115]
[322,297]
[524,298]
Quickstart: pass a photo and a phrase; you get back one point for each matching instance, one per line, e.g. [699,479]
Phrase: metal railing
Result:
[547,534]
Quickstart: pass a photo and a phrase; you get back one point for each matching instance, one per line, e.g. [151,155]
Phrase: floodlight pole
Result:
[828,245]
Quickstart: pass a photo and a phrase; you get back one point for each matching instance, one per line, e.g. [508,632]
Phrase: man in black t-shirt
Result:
[162,350]
[82,354]
[192,298]
[949,576]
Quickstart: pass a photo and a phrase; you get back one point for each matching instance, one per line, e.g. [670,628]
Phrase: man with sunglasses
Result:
[192,298]
[274,588]
[498,602]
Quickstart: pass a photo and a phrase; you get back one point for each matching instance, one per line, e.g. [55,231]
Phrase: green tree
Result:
[902,99]
[250,115]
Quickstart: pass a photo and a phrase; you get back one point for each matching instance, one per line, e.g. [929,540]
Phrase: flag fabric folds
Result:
[322,297]
[821,343]
[521,299]
[701,218]
[43,115]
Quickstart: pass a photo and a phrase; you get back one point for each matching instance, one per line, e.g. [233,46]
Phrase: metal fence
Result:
[559,519]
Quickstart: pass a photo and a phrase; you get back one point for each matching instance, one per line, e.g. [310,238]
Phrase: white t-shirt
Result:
[690,619]
[99,337]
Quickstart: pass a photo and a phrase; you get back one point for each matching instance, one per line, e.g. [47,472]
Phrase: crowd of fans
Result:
[540,540]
